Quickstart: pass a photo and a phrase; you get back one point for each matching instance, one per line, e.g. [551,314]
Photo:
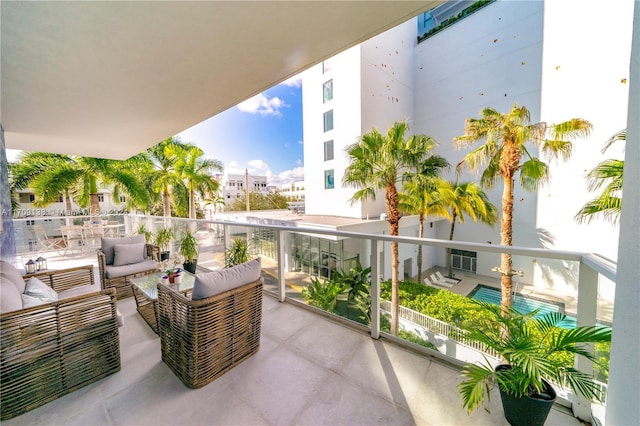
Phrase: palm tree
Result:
[424,199]
[195,173]
[381,162]
[164,177]
[61,174]
[466,198]
[609,174]
[504,154]
[33,164]
[216,201]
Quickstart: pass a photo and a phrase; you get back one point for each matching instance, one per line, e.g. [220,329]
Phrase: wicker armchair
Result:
[50,350]
[203,339]
[110,278]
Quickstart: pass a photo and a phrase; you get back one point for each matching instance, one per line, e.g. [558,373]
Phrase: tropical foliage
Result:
[504,154]
[608,176]
[533,348]
[52,176]
[237,253]
[259,201]
[380,162]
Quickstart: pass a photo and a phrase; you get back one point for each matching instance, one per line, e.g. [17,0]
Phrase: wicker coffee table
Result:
[145,291]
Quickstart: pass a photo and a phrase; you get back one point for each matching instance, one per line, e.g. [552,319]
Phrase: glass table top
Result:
[148,284]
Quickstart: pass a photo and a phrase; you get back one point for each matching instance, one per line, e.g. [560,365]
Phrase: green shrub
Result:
[323,295]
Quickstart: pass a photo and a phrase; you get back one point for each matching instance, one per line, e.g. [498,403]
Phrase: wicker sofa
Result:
[52,349]
[117,276]
[204,338]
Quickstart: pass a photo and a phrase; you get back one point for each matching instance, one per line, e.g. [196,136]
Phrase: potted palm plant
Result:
[142,230]
[236,253]
[189,250]
[163,238]
[535,351]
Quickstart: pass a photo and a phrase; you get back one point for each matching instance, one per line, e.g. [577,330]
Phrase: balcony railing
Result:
[580,284]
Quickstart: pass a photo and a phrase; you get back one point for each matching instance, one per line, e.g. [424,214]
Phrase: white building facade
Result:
[546,56]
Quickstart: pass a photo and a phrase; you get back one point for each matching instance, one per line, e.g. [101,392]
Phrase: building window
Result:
[328,179]
[328,120]
[123,199]
[60,200]
[101,198]
[327,91]
[328,150]
[326,66]
[464,260]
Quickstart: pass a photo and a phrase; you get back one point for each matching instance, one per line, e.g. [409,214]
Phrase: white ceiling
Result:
[109,79]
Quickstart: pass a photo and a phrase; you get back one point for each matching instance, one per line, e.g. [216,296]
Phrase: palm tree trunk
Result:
[94,204]
[453,226]
[420,234]
[192,204]
[394,219]
[506,239]
[67,201]
[166,203]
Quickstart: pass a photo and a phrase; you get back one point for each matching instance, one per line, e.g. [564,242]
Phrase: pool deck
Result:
[469,281]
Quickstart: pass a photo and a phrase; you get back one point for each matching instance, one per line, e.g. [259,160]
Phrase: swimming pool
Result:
[521,303]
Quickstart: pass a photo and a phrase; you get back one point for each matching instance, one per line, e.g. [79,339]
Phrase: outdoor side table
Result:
[145,291]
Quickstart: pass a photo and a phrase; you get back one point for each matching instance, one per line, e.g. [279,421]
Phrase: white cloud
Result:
[260,104]
[288,176]
[295,81]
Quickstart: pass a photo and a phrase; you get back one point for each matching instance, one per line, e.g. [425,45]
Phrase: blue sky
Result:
[262,134]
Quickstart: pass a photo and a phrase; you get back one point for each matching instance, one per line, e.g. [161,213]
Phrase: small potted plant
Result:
[236,253]
[142,230]
[535,352]
[163,238]
[189,250]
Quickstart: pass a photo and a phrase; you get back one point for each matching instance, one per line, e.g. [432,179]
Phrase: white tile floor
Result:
[308,371]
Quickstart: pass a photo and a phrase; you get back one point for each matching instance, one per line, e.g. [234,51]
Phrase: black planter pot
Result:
[164,255]
[190,266]
[527,410]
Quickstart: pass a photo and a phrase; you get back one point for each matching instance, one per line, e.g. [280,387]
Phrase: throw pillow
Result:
[216,282]
[30,301]
[107,244]
[126,254]
[37,288]
[9,296]
[11,273]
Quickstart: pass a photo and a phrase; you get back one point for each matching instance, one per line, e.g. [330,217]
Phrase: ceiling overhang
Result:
[109,79]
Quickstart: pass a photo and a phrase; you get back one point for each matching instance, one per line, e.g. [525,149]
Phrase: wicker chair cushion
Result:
[38,289]
[216,282]
[10,299]
[121,271]
[107,244]
[10,272]
[126,254]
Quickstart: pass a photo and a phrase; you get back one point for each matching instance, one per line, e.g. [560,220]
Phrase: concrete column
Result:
[376,247]
[624,371]
[7,235]
[587,309]
[280,237]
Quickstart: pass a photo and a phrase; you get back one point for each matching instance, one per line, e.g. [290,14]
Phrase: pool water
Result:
[521,303]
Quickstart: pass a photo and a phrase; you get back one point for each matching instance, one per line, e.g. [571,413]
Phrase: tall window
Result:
[326,66]
[328,150]
[328,120]
[328,179]
[327,91]
[101,198]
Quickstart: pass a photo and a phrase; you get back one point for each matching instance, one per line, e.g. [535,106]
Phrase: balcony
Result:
[312,367]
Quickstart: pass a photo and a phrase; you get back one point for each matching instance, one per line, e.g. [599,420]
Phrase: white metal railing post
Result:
[280,237]
[586,316]
[376,248]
